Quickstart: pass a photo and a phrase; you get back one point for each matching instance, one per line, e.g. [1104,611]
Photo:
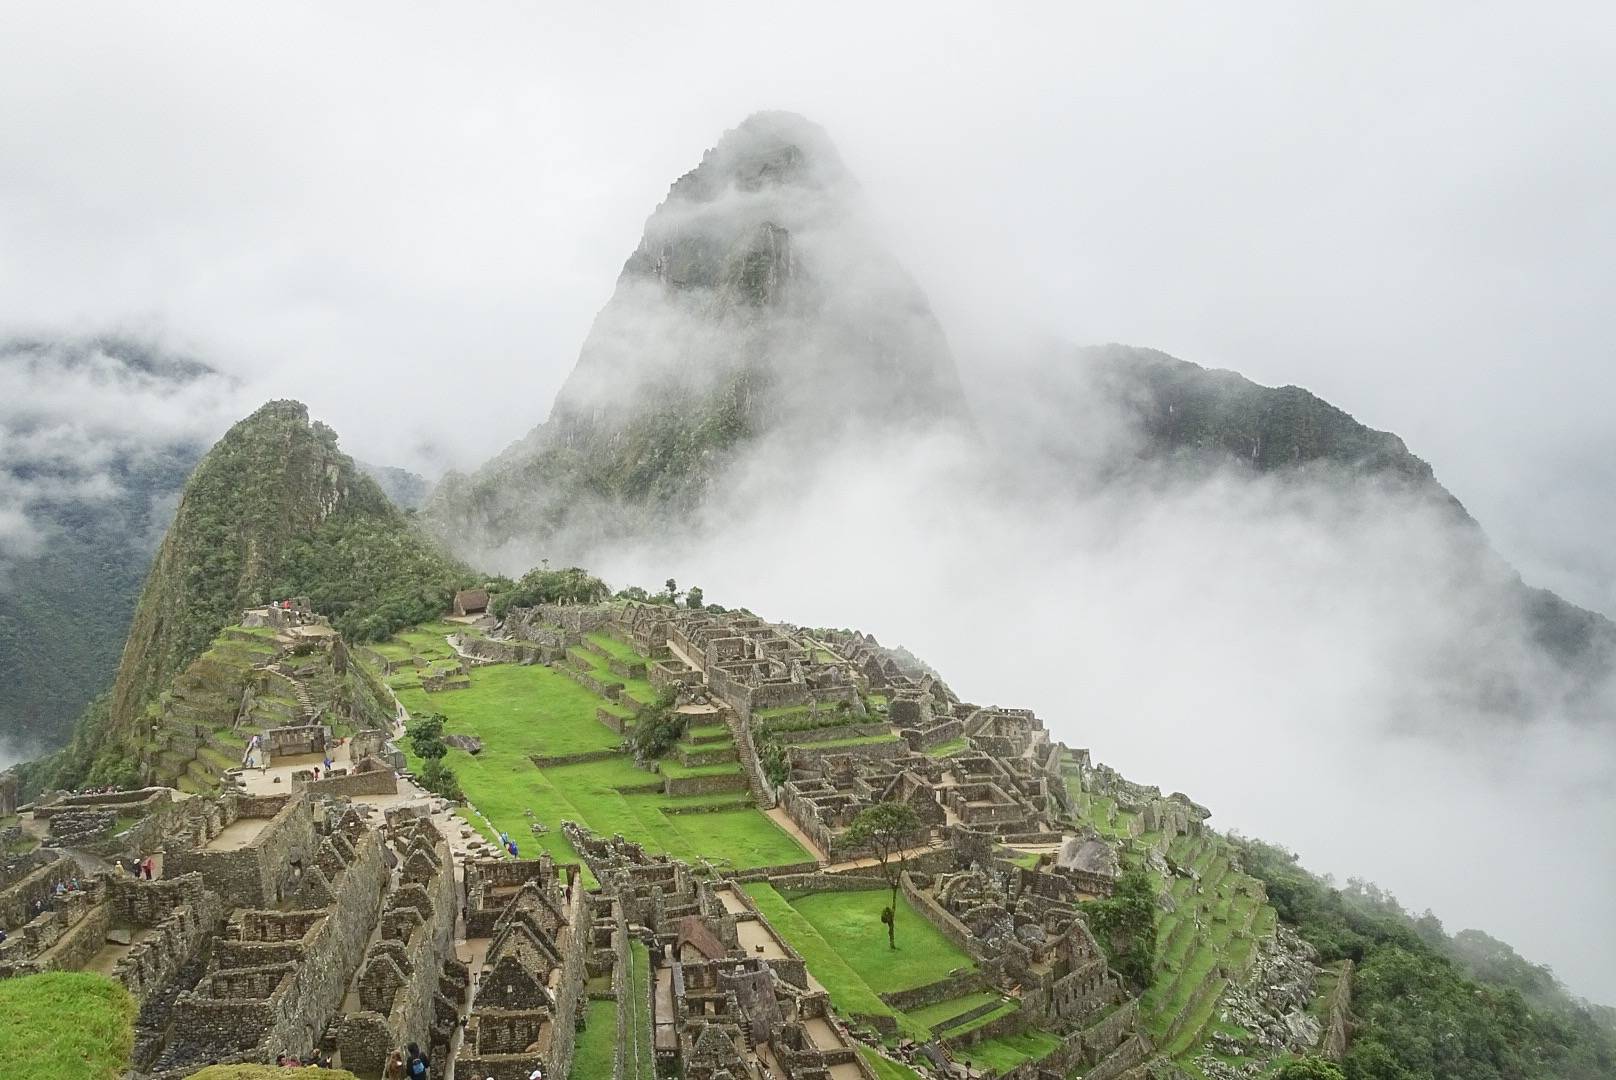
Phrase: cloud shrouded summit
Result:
[758,305]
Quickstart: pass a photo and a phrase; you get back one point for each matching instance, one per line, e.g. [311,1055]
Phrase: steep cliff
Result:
[759,305]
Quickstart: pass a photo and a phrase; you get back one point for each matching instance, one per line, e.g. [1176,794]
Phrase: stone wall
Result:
[1338,1016]
[720,783]
[179,913]
[36,882]
[375,782]
[401,970]
[255,875]
[946,924]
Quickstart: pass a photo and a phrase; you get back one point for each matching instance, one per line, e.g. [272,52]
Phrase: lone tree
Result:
[884,828]
[693,597]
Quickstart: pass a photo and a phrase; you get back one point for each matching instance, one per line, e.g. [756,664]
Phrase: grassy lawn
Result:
[853,921]
[932,1015]
[846,987]
[859,966]
[616,649]
[885,1068]
[1007,1051]
[949,748]
[521,712]
[597,1044]
[639,1057]
[65,1024]
[640,689]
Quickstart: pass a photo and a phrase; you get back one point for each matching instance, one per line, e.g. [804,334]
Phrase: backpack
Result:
[418,1067]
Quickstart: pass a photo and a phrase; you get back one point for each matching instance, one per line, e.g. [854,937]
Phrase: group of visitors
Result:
[291,1061]
[142,868]
[410,1064]
[509,844]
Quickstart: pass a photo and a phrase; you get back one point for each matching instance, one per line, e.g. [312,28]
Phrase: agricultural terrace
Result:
[527,712]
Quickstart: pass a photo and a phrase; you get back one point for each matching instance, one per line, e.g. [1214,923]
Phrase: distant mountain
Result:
[1130,411]
[403,488]
[96,439]
[759,306]
[274,509]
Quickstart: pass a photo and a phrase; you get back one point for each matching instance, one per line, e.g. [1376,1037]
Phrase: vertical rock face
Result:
[273,477]
[758,304]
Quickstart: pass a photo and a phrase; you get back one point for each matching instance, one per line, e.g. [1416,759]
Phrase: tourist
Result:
[416,1065]
[280,1061]
[317,772]
[395,1067]
[148,867]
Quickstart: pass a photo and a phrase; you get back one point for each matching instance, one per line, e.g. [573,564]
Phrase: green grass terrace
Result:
[523,713]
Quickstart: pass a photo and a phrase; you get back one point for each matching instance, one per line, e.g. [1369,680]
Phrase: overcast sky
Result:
[408,215]
[423,206]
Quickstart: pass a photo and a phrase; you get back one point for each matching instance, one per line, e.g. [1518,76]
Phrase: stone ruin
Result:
[293,924]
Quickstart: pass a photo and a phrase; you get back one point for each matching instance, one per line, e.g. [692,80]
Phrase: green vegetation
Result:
[65,1024]
[847,988]
[933,1015]
[545,586]
[1309,1068]
[1007,1051]
[523,712]
[859,966]
[370,571]
[597,1043]
[639,1056]
[1422,1007]
[853,921]
[1125,925]
[426,742]
[273,509]
[656,729]
[885,1068]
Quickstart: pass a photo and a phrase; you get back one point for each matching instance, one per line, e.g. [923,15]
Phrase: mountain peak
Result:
[766,150]
[761,303]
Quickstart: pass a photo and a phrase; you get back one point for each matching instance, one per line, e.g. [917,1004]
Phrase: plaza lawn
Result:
[859,966]
[65,1024]
[597,1043]
[523,712]
[847,989]
[853,921]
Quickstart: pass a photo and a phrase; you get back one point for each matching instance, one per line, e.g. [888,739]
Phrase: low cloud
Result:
[83,421]
[1312,659]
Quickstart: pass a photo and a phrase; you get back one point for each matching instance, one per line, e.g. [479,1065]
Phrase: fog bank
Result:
[1305,662]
